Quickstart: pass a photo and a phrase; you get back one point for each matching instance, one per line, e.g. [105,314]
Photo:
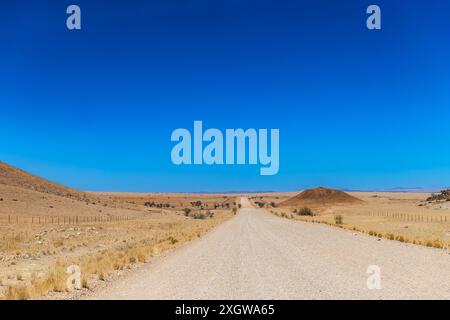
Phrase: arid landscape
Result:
[46,227]
[257,255]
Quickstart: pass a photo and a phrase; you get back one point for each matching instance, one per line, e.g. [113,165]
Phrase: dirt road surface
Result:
[257,255]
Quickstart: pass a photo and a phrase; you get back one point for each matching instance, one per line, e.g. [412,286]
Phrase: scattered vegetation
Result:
[199,214]
[156,205]
[444,195]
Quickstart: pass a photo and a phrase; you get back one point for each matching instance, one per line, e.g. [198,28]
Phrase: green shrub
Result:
[305,212]
[338,219]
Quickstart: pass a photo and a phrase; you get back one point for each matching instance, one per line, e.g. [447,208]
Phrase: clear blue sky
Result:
[358,109]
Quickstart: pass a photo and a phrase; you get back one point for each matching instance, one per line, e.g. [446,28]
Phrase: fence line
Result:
[63,220]
[407,217]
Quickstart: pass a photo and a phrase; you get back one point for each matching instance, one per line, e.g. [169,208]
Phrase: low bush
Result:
[338,219]
[305,212]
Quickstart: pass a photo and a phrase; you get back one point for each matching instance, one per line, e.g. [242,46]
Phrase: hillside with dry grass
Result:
[23,194]
[15,177]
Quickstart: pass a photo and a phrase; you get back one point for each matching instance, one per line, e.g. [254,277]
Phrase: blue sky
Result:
[357,109]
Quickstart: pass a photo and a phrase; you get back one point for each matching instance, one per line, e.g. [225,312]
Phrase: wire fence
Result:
[63,220]
[407,217]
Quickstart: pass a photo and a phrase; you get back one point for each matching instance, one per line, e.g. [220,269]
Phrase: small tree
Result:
[187,211]
[197,203]
[305,212]
[338,219]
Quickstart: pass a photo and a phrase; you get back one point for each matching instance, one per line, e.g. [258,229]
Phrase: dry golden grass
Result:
[28,251]
[100,263]
[21,292]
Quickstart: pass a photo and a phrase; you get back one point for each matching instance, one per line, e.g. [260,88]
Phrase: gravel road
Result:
[257,255]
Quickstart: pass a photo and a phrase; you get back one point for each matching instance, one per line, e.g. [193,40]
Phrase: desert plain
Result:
[46,227]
